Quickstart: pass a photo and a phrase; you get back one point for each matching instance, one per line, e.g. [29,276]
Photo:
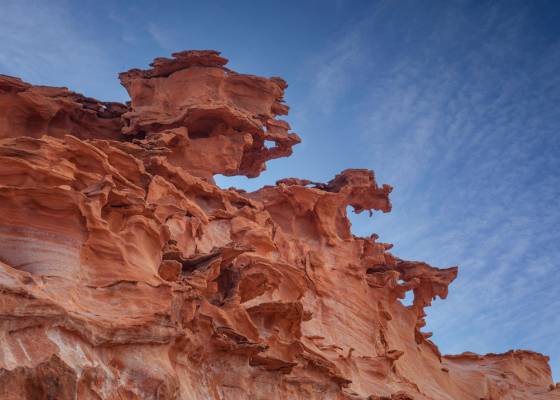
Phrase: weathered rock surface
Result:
[125,273]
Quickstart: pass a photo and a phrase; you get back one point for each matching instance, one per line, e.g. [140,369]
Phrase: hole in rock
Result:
[376,268]
[227,182]
[408,298]
[203,128]
[363,225]
[244,183]
[228,282]
[199,134]
[269,144]
[360,224]
[140,135]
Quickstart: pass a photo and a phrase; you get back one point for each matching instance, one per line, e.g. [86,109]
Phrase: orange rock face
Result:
[126,273]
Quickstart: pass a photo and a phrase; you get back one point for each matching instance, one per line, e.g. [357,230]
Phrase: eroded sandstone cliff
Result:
[126,273]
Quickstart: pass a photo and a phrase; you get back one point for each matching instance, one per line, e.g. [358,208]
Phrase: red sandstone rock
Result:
[27,110]
[209,119]
[126,273]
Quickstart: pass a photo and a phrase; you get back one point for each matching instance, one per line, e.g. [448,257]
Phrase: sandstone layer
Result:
[126,273]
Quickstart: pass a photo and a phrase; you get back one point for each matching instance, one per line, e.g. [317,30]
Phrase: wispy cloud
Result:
[463,122]
[163,37]
[127,26]
[453,103]
[42,44]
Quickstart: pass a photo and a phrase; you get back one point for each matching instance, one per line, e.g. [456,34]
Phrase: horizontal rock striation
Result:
[126,273]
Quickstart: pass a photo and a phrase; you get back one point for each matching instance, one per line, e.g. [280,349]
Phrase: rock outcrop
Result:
[126,273]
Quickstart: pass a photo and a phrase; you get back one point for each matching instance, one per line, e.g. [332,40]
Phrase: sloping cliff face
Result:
[126,273]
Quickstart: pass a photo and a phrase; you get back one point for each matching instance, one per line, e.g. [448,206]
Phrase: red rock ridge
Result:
[126,273]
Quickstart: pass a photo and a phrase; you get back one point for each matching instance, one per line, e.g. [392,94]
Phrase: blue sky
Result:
[454,103]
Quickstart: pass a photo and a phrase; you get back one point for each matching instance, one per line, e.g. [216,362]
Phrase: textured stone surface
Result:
[125,273]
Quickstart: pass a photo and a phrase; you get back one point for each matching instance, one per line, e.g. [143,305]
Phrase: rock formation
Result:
[126,273]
